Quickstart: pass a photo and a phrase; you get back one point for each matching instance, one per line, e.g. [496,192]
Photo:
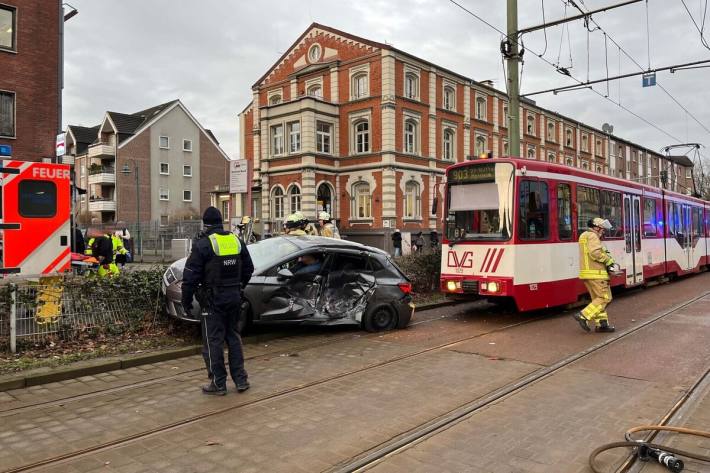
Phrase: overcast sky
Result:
[128,55]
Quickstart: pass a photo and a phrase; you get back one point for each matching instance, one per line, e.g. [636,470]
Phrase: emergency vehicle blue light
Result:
[5,150]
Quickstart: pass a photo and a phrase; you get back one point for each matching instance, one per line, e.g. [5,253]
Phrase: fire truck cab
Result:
[35,209]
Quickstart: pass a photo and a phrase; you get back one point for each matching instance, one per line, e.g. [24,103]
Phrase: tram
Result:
[512,226]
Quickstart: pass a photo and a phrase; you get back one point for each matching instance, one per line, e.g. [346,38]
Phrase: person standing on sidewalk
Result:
[595,263]
[218,269]
[397,242]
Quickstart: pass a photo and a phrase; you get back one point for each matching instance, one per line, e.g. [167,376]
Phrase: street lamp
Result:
[126,171]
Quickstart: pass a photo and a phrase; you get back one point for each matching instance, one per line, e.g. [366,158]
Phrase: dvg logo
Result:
[464,261]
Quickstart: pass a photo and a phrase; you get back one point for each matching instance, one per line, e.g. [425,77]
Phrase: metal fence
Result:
[59,306]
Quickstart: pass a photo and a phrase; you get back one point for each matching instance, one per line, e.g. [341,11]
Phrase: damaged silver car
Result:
[314,280]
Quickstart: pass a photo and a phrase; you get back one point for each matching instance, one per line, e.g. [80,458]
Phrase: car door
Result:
[349,282]
[289,294]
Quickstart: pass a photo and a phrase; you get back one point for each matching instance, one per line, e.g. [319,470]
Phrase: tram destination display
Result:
[473,174]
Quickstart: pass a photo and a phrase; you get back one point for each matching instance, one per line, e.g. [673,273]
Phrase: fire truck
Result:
[35,209]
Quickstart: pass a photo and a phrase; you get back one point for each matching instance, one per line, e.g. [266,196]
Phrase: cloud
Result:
[129,55]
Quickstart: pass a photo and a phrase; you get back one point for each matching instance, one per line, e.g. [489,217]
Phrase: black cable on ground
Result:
[630,443]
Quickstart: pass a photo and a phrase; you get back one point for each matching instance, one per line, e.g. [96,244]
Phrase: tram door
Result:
[633,261]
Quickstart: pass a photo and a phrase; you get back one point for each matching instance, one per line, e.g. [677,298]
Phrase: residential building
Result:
[178,163]
[30,82]
[365,131]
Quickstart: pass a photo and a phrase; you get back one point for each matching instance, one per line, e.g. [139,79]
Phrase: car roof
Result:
[306,242]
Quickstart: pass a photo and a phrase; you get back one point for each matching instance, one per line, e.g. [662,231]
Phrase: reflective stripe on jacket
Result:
[593,257]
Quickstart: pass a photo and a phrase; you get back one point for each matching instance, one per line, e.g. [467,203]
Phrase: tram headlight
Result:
[453,286]
[493,286]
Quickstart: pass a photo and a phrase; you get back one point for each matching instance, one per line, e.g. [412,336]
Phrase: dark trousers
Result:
[219,325]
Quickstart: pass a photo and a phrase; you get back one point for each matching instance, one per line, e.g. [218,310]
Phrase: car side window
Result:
[309,262]
[348,262]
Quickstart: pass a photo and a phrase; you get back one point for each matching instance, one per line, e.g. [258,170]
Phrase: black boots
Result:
[213,390]
[604,327]
[582,321]
[242,386]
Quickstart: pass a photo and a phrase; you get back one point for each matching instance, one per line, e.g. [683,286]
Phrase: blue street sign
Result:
[648,79]
[5,150]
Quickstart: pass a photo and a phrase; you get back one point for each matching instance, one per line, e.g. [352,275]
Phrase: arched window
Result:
[277,203]
[585,143]
[362,136]
[599,169]
[448,144]
[599,151]
[411,85]
[551,158]
[449,98]
[481,108]
[359,85]
[275,99]
[480,145]
[569,162]
[294,197]
[505,148]
[568,137]
[315,91]
[506,117]
[585,165]
[551,131]
[531,125]
[324,199]
[410,136]
[362,201]
[531,152]
[412,200]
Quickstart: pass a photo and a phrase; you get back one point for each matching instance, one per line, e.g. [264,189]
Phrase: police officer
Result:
[219,266]
[295,224]
[327,228]
[595,263]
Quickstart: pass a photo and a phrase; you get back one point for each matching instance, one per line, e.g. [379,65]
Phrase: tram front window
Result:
[480,202]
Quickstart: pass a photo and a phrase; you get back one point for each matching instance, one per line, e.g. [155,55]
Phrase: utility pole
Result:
[509,49]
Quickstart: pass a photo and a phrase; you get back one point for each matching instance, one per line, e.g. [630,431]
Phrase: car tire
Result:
[245,317]
[382,318]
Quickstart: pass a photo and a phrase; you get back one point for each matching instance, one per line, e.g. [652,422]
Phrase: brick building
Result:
[179,164]
[30,96]
[366,131]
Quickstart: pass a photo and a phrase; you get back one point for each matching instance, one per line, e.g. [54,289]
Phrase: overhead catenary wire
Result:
[703,41]
[646,121]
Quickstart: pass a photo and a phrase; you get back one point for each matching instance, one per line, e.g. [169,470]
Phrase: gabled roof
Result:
[682,160]
[84,134]
[313,29]
[127,124]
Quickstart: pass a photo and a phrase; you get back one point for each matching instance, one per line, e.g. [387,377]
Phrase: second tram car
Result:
[512,225]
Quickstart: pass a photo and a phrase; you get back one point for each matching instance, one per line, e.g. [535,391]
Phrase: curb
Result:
[97,365]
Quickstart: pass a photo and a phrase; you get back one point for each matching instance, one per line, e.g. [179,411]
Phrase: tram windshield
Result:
[480,202]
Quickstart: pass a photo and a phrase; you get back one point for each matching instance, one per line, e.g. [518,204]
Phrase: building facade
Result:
[30,61]
[366,131]
[178,164]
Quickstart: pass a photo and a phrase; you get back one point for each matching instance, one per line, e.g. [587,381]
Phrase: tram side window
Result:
[611,210]
[649,218]
[37,199]
[564,212]
[534,216]
[587,206]
[670,219]
[697,223]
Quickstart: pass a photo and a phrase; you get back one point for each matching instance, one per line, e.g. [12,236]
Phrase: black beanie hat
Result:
[212,216]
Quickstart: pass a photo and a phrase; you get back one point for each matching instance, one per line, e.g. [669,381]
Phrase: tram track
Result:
[441,423]
[269,397]
[404,440]
[329,340]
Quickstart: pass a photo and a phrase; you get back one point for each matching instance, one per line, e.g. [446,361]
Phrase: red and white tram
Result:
[512,227]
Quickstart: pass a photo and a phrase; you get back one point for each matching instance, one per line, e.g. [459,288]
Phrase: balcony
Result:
[102,175]
[102,204]
[101,150]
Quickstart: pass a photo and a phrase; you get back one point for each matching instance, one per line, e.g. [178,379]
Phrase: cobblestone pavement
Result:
[551,426]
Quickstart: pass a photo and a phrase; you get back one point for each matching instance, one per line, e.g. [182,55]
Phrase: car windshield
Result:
[266,253]
[480,202]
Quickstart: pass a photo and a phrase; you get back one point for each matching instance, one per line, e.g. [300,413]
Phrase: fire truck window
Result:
[564,212]
[611,210]
[649,218]
[534,211]
[38,199]
[587,207]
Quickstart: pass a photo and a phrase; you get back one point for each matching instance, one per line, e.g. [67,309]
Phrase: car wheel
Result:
[380,319]
[244,321]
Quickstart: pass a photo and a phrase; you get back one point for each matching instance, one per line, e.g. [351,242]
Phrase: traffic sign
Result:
[61,145]
[648,79]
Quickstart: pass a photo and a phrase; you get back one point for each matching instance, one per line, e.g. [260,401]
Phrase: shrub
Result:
[423,269]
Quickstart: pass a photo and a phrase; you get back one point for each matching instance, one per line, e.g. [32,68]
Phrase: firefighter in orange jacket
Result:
[595,264]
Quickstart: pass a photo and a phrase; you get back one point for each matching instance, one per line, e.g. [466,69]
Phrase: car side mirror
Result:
[284,274]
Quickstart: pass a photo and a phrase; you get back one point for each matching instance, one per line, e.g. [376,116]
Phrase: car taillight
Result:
[405,287]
